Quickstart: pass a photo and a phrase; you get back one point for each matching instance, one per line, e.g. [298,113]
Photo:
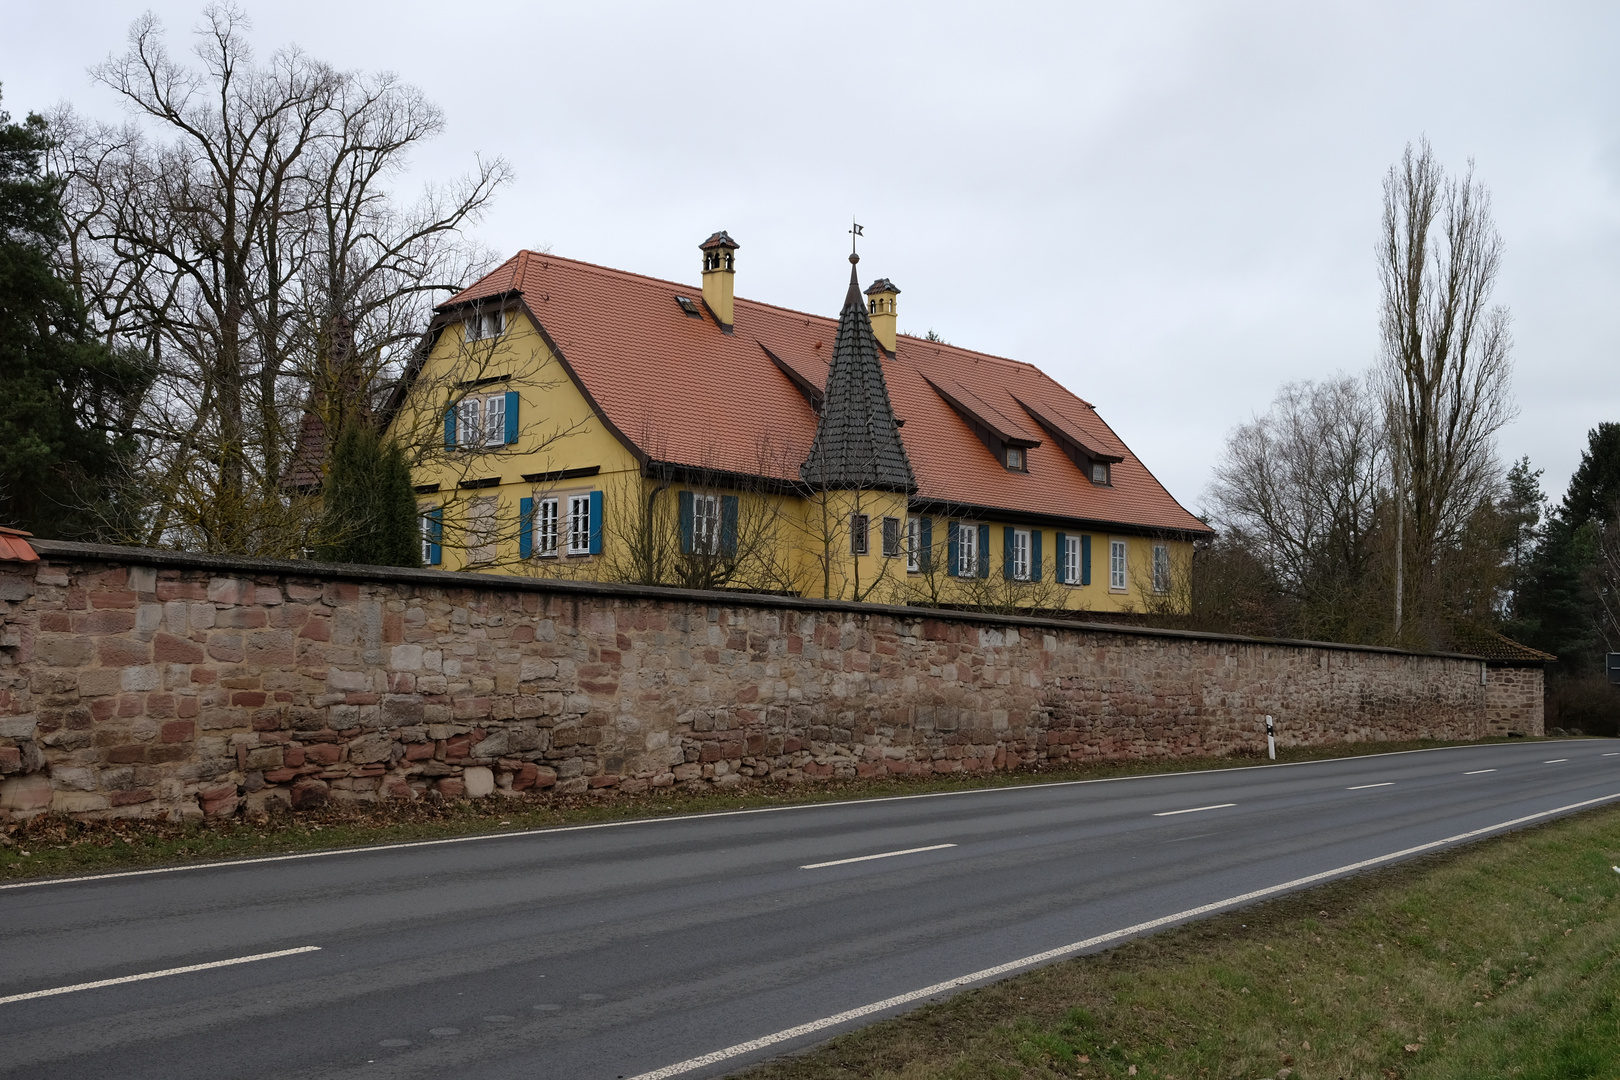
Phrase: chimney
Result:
[880,309]
[719,274]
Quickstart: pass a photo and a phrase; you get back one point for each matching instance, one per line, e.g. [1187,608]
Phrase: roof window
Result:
[689,306]
[1016,459]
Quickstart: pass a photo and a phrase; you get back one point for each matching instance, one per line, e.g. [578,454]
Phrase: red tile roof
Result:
[13,548]
[682,391]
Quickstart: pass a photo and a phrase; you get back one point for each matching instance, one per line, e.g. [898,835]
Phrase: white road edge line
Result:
[157,974]
[1364,787]
[1194,810]
[1478,772]
[869,858]
[717,1056]
[292,857]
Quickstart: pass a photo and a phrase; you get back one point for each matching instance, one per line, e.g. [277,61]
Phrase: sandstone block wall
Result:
[147,683]
[1515,701]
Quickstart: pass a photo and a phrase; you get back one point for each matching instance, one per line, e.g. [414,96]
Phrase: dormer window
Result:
[1099,473]
[484,325]
[1015,459]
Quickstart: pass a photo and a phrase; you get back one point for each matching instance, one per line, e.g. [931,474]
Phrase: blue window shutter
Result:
[686,522]
[984,551]
[925,540]
[954,547]
[511,416]
[450,427]
[1085,560]
[1062,565]
[728,526]
[525,528]
[1034,554]
[435,536]
[596,523]
[1007,552]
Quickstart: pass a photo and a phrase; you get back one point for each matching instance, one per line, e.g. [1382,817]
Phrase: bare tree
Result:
[1446,368]
[241,231]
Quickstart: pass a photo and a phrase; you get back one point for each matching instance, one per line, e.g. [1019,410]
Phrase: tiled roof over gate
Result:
[683,391]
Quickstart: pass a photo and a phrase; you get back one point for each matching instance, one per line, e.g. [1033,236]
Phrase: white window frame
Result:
[1071,560]
[469,426]
[705,524]
[860,534]
[425,516]
[1161,568]
[484,324]
[967,549]
[1118,565]
[1100,474]
[1020,553]
[546,519]
[913,545]
[579,524]
[1016,459]
[495,420]
[898,548]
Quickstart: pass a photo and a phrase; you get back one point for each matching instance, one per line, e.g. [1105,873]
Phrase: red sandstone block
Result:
[604,780]
[458,747]
[746,694]
[339,593]
[103,708]
[294,757]
[130,705]
[160,706]
[10,758]
[130,798]
[55,622]
[323,753]
[204,675]
[360,699]
[419,751]
[126,755]
[280,776]
[790,745]
[226,648]
[121,599]
[108,621]
[176,731]
[451,788]
[168,649]
[524,778]
[316,628]
[157,755]
[249,698]
[122,652]
[710,752]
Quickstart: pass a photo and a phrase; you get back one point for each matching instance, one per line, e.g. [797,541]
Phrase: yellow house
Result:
[574,420]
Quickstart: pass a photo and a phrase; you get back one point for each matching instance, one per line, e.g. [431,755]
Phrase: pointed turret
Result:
[857,446]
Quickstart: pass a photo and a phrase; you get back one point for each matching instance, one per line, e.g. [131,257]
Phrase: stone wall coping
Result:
[226,565]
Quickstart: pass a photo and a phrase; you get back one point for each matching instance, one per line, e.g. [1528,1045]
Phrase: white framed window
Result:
[579,524]
[469,429]
[432,533]
[1015,458]
[913,545]
[483,325]
[1116,565]
[482,527]
[1161,568]
[705,524]
[1020,554]
[1071,559]
[495,420]
[892,547]
[545,528]
[860,527]
[1099,473]
[967,550]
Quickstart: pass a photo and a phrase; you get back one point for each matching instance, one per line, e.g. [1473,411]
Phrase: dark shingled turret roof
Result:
[857,445]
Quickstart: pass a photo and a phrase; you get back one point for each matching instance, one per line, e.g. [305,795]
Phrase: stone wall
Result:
[143,683]
[1515,700]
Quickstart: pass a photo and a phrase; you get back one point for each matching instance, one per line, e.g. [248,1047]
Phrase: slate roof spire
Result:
[857,445]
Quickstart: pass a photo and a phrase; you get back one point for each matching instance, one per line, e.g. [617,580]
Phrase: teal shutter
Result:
[525,528]
[1034,554]
[511,416]
[1085,560]
[1062,565]
[1007,552]
[984,551]
[686,522]
[953,546]
[450,427]
[596,523]
[435,535]
[728,526]
[925,540]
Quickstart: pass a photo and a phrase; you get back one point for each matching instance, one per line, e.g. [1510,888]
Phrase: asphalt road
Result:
[628,949]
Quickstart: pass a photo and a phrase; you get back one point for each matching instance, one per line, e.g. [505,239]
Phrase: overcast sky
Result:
[1171,208]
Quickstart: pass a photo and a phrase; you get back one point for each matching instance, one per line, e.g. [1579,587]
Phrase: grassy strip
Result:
[1498,960]
[50,846]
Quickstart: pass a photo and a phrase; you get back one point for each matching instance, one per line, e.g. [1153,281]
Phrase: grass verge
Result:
[49,845]
[1501,959]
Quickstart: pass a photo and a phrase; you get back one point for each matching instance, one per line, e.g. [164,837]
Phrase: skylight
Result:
[689,306]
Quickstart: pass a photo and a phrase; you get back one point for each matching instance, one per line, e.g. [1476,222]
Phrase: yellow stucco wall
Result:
[789,543]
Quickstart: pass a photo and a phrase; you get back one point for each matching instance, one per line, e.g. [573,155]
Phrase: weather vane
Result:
[854,231]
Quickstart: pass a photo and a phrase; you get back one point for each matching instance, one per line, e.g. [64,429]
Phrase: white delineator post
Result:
[1271,740]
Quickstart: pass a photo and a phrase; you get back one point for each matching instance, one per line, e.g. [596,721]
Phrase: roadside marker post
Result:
[1271,739]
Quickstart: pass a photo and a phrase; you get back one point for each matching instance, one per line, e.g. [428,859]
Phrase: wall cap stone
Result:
[450,579]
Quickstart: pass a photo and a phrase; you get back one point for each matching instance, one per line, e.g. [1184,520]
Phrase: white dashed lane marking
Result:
[1364,787]
[53,991]
[868,858]
[1477,772]
[1194,810]
[1556,761]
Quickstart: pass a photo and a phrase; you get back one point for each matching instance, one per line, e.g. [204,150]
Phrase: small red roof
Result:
[13,548]
[682,391]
